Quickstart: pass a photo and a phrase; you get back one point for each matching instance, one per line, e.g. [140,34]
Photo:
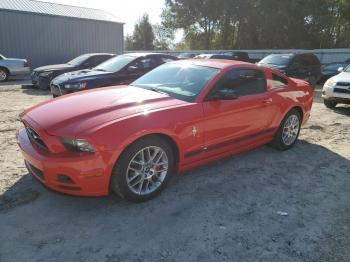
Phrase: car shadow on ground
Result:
[223,210]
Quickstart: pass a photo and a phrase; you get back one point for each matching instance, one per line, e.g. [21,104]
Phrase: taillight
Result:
[25,63]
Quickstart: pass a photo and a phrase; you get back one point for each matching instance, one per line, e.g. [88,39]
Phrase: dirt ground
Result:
[262,205]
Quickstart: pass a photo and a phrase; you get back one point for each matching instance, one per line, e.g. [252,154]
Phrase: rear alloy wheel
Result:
[288,131]
[3,75]
[330,104]
[143,170]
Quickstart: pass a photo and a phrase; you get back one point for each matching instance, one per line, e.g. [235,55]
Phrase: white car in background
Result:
[13,67]
[337,89]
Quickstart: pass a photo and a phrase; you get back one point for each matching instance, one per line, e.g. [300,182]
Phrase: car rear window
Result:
[277,59]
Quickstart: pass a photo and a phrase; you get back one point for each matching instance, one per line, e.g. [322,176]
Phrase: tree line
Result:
[246,24]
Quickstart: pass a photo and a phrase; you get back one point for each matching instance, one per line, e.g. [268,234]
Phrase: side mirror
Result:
[340,69]
[132,68]
[225,94]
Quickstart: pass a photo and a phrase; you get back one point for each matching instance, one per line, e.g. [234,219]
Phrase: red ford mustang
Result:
[132,139]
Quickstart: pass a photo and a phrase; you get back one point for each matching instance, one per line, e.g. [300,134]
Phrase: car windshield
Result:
[333,67]
[347,69]
[181,81]
[78,60]
[115,64]
[276,60]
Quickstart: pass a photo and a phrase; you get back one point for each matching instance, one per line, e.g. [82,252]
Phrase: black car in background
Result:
[299,65]
[332,69]
[120,70]
[239,56]
[186,55]
[42,76]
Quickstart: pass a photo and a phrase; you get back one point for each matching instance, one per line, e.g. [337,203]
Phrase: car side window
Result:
[145,63]
[278,81]
[243,81]
[166,59]
[96,60]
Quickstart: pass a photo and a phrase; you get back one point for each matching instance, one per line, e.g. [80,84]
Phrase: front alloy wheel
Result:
[147,170]
[143,169]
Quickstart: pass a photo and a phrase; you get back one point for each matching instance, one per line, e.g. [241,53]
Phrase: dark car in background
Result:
[186,55]
[298,65]
[42,76]
[120,70]
[332,69]
[239,56]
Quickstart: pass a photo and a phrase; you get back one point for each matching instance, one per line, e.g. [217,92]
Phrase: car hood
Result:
[54,67]
[81,75]
[342,77]
[81,112]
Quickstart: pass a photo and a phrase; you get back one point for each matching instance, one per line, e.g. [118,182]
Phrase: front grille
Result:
[341,90]
[35,138]
[35,171]
[343,84]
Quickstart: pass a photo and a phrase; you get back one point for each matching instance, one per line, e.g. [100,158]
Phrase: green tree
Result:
[142,37]
[233,24]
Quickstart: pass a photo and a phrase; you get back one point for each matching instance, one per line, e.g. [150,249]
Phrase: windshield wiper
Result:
[158,91]
[100,69]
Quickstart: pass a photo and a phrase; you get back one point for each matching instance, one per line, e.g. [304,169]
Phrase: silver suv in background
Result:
[13,67]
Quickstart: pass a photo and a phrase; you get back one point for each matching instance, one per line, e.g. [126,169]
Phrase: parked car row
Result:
[119,70]
[42,76]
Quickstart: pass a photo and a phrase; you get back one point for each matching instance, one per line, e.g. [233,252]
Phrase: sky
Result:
[127,10]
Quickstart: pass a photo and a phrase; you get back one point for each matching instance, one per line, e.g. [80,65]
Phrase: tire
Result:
[330,104]
[129,170]
[280,140]
[4,74]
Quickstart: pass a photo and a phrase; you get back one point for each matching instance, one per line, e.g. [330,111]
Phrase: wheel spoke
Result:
[136,183]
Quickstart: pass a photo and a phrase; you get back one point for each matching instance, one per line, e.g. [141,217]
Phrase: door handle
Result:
[267,101]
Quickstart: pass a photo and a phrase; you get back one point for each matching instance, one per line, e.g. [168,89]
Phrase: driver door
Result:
[233,122]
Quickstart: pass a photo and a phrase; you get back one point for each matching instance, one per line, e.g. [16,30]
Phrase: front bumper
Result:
[336,93]
[58,90]
[69,173]
[39,81]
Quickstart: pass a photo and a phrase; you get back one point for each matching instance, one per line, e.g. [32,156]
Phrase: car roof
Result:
[144,54]
[215,63]
[93,54]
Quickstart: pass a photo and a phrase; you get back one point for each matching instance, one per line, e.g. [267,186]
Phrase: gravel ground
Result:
[261,205]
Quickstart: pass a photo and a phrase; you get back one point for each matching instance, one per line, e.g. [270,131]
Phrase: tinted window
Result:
[277,60]
[221,57]
[79,60]
[333,67]
[278,81]
[115,64]
[145,63]
[98,59]
[243,81]
[180,81]
[166,59]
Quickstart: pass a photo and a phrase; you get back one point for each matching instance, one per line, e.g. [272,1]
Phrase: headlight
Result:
[330,83]
[76,145]
[45,74]
[75,85]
